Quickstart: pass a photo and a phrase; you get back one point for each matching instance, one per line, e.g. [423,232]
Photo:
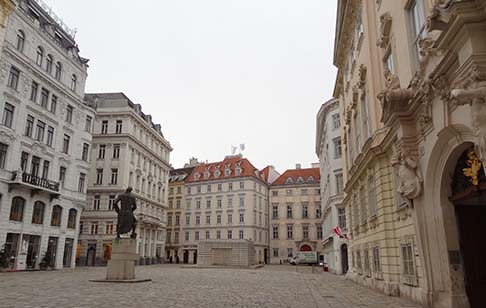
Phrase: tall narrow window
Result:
[119,125]
[99,176]
[365,116]
[84,155]
[38,213]
[65,144]
[50,135]
[40,130]
[342,218]
[372,198]
[357,133]
[336,121]
[417,19]
[62,175]
[290,232]
[40,56]
[13,78]
[104,127]
[49,61]
[74,81]
[24,160]
[364,214]
[3,155]
[88,123]
[17,209]
[58,72]
[69,113]
[338,152]
[45,169]
[29,126]
[56,216]
[72,219]
[114,176]
[44,97]
[20,40]
[101,151]
[96,203]
[35,166]
[305,231]
[33,91]
[8,113]
[116,151]
[53,104]
[289,211]
[81,182]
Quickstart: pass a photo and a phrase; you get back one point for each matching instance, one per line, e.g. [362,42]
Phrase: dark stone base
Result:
[122,281]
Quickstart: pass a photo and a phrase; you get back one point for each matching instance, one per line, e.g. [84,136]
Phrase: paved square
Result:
[173,286]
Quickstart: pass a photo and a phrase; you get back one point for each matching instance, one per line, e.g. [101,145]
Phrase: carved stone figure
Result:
[409,175]
[385,28]
[473,92]
[126,219]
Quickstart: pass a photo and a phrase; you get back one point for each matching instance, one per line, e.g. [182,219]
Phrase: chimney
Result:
[297,166]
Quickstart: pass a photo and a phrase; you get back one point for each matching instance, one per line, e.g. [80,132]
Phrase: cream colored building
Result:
[420,65]
[295,213]
[226,200]
[45,137]
[175,215]
[128,150]
[329,150]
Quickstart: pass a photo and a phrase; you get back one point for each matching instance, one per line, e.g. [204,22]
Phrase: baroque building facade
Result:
[329,150]
[427,69]
[296,217]
[129,150]
[45,137]
[226,200]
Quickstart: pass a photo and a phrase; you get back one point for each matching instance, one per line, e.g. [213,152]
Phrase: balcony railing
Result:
[40,182]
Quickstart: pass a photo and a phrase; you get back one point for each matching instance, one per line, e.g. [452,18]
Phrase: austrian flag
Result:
[339,233]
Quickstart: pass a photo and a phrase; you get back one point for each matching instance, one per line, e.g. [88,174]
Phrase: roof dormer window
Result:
[238,171]
[300,179]
[289,181]
[197,176]
[227,172]
[217,173]
[206,175]
[310,179]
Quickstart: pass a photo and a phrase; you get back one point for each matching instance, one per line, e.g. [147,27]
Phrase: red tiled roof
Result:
[306,175]
[207,172]
[264,173]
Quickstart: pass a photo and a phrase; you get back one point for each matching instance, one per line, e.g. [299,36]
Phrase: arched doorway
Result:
[186,257]
[91,256]
[469,200]
[305,247]
[344,258]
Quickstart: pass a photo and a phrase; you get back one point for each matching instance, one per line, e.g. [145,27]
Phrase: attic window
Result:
[238,171]
[207,168]
[310,179]
[217,173]
[300,179]
[227,172]
[197,176]
[289,181]
[206,175]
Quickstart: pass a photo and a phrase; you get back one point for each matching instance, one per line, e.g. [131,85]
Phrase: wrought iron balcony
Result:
[41,182]
[35,183]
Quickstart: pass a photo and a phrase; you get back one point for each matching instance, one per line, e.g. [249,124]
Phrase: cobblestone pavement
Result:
[173,286]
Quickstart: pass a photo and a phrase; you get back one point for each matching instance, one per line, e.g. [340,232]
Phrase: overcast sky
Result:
[215,72]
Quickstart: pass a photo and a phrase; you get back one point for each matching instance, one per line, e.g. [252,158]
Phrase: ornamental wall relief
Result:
[471,90]
[385,29]
[409,174]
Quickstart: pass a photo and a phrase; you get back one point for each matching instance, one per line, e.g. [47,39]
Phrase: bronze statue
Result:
[126,219]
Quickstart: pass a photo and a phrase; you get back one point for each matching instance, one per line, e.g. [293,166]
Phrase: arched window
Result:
[49,61]
[72,219]
[310,179]
[58,70]
[74,80]
[289,181]
[56,216]
[17,209]
[20,40]
[40,56]
[300,179]
[38,213]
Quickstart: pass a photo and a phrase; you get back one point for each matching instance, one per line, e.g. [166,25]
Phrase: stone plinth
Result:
[121,266]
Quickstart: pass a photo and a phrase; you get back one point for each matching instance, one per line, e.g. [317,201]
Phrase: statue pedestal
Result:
[121,266]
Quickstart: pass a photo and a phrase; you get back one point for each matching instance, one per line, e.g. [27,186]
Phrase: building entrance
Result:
[344,258]
[469,198]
